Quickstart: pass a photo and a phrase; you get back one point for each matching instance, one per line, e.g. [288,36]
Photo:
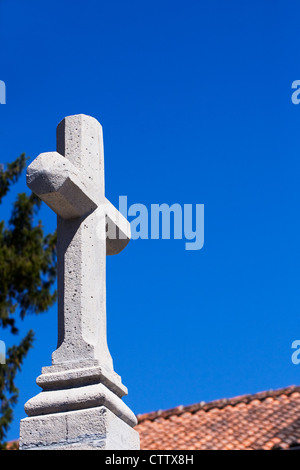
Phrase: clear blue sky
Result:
[195,102]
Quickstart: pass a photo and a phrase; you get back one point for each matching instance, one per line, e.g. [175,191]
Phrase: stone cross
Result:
[81,379]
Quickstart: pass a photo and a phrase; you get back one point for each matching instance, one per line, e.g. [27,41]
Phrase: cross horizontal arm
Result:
[60,185]
[118,231]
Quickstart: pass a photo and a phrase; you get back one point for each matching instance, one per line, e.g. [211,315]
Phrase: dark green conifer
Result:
[27,277]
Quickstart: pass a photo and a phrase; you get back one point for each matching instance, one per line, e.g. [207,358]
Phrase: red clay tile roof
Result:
[267,420]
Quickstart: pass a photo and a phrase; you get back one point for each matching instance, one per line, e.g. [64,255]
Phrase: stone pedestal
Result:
[90,429]
[80,407]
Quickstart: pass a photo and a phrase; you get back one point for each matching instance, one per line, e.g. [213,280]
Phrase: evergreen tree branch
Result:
[28,274]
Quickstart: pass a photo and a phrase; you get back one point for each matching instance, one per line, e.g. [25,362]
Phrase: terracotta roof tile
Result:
[266,420]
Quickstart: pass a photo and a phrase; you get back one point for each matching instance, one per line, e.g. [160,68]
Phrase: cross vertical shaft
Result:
[82,252]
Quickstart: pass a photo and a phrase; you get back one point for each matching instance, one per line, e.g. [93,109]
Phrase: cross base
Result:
[79,398]
[80,407]
[78,373]
[90,429]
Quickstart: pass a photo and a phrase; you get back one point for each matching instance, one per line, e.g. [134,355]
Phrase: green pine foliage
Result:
[27,277]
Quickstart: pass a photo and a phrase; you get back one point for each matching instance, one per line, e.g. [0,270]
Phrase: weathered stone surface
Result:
[74,375]
[61,185]
[91,429]
[89,396]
